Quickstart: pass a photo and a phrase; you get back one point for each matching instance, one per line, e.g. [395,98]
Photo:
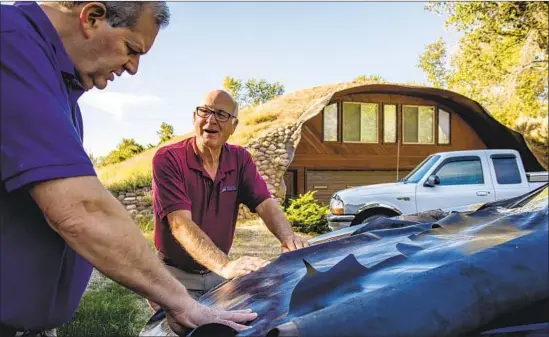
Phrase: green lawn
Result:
[108,309]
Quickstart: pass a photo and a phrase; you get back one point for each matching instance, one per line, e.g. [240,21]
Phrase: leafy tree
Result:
[502,59]
[261,91]
[493,19]
[126,149]
[234,87]
[252,92]
[433,62]
[368,78]
[165,133]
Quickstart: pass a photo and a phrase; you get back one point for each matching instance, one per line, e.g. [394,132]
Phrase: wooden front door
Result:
[290,179]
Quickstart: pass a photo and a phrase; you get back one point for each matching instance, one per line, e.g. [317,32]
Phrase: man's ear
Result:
[235,124]
[92,15]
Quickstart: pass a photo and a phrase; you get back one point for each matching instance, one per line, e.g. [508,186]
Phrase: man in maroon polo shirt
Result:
[198,184]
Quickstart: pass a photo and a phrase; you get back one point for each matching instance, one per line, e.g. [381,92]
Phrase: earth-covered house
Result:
[354,134]
[330,137]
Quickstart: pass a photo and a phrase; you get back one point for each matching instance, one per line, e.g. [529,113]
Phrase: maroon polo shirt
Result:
[180,182]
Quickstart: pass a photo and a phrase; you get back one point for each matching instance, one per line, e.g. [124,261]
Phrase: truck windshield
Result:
[419,171]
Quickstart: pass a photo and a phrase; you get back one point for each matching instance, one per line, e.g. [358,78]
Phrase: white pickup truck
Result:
[445,180]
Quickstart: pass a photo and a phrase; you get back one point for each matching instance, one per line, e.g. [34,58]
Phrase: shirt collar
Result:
[226,163]
[42,24]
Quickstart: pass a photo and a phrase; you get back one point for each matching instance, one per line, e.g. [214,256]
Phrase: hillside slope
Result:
[254,122]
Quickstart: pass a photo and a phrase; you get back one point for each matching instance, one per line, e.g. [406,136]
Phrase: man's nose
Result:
[132,65]
[211,118]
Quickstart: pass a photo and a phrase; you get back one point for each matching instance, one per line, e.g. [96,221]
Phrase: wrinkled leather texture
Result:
[447,275]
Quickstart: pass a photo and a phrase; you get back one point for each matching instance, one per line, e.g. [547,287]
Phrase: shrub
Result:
[145,222]
[306,215]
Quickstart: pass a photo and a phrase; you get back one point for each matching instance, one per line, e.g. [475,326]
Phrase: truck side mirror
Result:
[431,181]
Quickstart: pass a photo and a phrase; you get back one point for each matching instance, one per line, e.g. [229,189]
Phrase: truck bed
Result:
[541,176]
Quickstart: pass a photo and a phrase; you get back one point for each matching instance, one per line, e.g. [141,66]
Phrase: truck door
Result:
[509,177]
[463,180]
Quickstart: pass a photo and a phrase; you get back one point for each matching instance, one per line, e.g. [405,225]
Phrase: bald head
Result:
[221,100]
[212,124]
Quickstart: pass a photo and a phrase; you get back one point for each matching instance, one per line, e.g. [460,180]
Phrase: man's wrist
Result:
[221,265]
[286,235]
[179,300]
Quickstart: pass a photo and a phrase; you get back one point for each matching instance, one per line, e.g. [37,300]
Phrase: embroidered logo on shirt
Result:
[228,189]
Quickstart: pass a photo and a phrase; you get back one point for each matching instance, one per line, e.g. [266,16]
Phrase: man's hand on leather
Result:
[242,266]
[192,314]
[293,242]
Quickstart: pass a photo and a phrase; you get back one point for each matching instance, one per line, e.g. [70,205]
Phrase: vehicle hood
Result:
[377,189]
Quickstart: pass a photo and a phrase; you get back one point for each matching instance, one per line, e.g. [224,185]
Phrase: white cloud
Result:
[116,102]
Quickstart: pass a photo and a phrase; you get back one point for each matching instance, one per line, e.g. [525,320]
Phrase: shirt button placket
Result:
[211,202]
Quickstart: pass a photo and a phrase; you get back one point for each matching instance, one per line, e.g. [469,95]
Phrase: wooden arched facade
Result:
[378,133]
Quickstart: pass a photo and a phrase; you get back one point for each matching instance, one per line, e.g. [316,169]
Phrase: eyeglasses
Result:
[220,115]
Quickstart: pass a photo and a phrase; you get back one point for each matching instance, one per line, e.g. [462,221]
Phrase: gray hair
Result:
[125,14]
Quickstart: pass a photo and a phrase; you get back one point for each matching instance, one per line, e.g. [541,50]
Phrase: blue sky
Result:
[299,44]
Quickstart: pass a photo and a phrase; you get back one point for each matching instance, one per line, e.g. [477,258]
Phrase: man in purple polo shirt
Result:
[198,185]
[57,220]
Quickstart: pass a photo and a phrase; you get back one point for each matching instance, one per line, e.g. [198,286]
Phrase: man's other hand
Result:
[196,314]
[242,266]
[293,242]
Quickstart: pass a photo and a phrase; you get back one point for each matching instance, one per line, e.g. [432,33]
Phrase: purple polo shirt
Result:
[180,182]
[41,278]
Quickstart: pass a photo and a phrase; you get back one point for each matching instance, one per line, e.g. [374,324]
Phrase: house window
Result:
[331,129]
[443,127]
[417,124]
[389,123]
[360,122]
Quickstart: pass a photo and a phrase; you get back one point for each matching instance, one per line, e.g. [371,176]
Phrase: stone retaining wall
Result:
[138,201]
[272,154]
